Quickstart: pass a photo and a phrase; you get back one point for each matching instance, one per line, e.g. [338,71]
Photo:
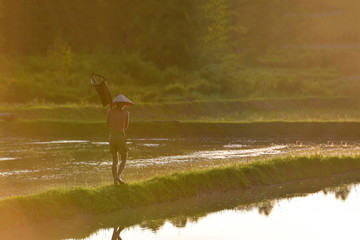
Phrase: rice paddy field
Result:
[32,165]
[188,170]
[309,109]
[246,122]
[282,190]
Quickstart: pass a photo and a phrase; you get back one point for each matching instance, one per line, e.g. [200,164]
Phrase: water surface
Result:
[330,214]
[30,165]
[259,213]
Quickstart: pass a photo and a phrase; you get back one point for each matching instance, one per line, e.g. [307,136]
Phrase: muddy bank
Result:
[153,129]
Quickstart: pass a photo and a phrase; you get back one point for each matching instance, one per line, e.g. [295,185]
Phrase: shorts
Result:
[118,144]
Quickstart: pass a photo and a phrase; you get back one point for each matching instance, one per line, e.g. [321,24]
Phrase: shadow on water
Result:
[180,213]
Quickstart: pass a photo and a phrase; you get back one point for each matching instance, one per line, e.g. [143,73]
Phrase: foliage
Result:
[62,76]
[160,51]
[184,33]
[60,54]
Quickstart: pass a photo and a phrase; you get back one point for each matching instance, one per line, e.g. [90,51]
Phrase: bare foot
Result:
[120,181]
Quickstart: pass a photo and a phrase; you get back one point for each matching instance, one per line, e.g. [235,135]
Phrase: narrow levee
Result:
[65,203]
[269,204]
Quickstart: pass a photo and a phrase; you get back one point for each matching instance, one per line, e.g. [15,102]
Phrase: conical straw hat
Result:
[122,99]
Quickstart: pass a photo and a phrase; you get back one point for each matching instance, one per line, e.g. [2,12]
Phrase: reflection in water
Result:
[217,216]
[266,207]
[116,233]
[62,141]
[179,222]
[7,158]
[340,192]
[343,194]
[48,163]
[226,217]
[280,224]
[153,225]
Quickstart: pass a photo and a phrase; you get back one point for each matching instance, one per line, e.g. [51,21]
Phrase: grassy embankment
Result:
[63,203]
[182,211]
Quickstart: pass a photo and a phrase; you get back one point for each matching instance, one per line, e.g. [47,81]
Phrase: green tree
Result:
[258,26]
[59,53]
[1,19]
[215,29]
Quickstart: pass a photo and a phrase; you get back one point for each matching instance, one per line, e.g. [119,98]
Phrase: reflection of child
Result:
[116,233]
[117,121]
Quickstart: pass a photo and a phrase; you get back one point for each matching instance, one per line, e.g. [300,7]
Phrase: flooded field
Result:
[329,214]
[30,165]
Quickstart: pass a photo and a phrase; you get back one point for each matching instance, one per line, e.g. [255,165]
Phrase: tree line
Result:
[184,33]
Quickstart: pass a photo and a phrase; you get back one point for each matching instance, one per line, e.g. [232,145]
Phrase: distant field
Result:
[260,110]
[296,118]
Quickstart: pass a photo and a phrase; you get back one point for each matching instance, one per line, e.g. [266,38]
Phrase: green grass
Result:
[62,203]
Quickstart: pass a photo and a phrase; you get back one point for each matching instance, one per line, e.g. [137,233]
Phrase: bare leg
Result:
[122,165]
[116,233]
[114,167]
[121,168]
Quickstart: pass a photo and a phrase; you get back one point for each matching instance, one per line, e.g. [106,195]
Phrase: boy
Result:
[117,120]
